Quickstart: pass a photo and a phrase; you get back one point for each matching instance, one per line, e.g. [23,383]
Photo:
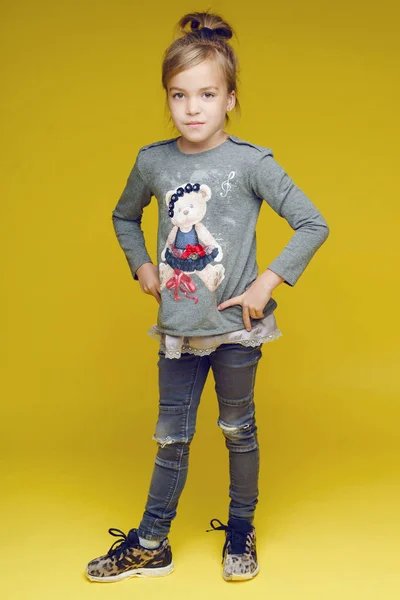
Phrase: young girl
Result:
[215,311]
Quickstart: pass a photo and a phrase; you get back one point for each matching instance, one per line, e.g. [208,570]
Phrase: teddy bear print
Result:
[190,247]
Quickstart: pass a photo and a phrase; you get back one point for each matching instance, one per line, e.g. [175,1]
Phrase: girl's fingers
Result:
[246,318]
[230,302]
[256,314]
[154,291]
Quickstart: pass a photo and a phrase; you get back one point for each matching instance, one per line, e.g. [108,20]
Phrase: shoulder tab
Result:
[155,144]
[261,149]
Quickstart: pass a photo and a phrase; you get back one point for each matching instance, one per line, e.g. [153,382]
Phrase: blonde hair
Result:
[204,36]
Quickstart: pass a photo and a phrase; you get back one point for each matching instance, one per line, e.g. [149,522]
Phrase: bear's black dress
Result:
[193,261]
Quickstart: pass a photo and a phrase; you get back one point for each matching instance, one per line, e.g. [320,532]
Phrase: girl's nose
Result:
[192,106]
[186,212]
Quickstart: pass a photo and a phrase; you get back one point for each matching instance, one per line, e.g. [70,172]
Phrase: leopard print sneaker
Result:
[127,558]
[239,554]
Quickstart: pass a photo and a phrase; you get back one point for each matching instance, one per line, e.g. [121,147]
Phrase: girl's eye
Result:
[191,206]
[180,95]
[179,209]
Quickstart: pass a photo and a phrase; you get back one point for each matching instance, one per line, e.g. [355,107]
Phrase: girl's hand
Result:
[255,298]
[149,280]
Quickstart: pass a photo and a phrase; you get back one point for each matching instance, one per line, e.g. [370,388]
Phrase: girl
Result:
[215,311]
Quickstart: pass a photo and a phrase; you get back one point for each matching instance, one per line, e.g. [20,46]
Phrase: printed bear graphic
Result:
[190,247]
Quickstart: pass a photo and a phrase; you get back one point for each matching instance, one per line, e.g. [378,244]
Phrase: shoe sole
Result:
[242,576]
[156,572]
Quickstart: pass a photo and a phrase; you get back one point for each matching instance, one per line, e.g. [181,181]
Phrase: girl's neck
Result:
[188,147]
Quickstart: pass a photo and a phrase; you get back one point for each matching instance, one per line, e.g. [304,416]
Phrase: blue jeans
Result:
[181,382]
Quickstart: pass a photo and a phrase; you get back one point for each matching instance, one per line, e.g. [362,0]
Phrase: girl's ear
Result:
[231,101]
[168,197]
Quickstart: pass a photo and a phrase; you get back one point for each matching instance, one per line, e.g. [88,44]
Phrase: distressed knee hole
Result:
[233,429]
[162,442]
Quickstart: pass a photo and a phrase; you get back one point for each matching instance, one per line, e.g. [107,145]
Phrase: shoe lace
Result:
[239,539]
[119,545]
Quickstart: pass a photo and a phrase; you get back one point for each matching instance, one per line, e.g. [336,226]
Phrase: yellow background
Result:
[81,93]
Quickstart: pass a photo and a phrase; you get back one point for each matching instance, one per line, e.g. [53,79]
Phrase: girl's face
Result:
[198,100]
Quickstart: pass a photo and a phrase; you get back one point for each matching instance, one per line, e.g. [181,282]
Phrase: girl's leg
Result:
[234,367]
[181,382]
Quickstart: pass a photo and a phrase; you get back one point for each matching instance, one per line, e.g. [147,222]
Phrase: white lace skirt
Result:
[265,330]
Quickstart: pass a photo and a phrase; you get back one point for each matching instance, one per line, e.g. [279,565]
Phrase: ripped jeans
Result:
[181,382]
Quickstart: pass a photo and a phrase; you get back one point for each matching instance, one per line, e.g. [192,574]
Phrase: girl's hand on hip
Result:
[253,301]
[149,280]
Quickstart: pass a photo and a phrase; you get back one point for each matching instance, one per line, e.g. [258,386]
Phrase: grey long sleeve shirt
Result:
[208,206]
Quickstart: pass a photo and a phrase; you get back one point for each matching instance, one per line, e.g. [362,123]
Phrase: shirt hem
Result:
[204,332]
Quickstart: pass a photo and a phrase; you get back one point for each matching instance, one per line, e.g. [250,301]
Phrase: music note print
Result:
[226,186]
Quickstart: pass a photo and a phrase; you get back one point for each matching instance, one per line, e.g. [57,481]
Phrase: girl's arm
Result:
[270,280]
[127,218]
[270,182]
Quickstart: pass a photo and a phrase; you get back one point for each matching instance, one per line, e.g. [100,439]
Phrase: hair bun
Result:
[194,24]
[211,34]
[206,25]
[223,33]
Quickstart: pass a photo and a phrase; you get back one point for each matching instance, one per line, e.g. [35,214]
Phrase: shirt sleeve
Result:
[271,183]
[127,219]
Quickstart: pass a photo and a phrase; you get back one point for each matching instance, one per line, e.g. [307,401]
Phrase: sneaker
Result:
[127,558]
[239,554]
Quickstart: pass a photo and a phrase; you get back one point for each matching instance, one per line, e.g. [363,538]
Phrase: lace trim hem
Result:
[274,335]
